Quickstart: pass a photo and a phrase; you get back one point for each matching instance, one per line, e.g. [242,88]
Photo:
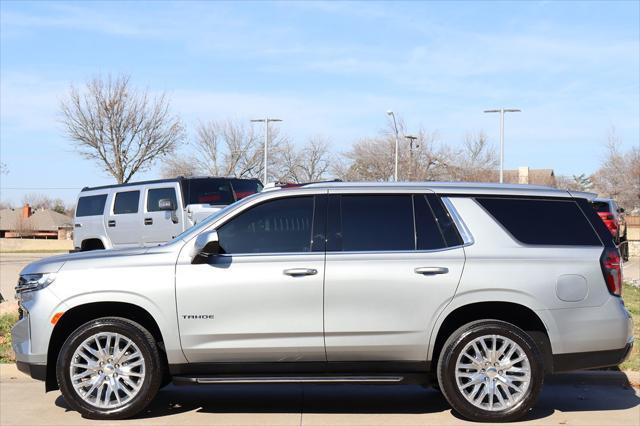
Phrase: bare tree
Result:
[619,174]
[175,166]
[4,169]
[123,129]
[476,161]
[309,163]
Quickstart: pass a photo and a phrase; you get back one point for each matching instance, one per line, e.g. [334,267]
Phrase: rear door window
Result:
[542,221]
[428,233]
[377,223]
[126,202]
[155,195]
[92,205]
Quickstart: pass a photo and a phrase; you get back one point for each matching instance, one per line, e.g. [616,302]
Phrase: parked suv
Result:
[151,212]
[613,218]
[480,289]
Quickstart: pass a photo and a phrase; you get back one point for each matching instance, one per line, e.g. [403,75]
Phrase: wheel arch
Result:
[81,314]
[514,313]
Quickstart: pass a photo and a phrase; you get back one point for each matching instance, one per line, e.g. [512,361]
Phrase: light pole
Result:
[412,139]
[502,111]
[266,122]
[395,126]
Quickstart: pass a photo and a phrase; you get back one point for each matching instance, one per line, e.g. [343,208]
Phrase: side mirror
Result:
[206,245]
[166,204]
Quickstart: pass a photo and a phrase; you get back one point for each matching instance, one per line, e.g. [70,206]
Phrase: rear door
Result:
[89,218]
[124,221]
[390,269]
[159,225]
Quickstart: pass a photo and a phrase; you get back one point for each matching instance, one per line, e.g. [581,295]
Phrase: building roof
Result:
[40,220]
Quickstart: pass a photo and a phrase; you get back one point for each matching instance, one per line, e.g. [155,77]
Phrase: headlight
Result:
[33,282]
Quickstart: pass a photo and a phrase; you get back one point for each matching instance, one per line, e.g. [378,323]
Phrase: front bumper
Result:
[36,371]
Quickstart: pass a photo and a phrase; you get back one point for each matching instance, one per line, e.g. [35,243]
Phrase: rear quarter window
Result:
[92,205]
[542,221]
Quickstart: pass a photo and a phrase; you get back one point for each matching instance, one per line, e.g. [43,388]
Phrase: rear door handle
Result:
[431,270]
[111,223]
[148,221]
[298,272]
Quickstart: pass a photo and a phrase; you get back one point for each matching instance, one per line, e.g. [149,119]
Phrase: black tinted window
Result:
[92,205]
[601,207]
[545,222]
[278,226]
[126,202]
[446,224]
[208,191]
[157,194]
[377,222]
[245,187]
[428,234]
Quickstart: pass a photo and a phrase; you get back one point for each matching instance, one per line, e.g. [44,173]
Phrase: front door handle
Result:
[298,272]
[111,223]
[148,221]
[431,270]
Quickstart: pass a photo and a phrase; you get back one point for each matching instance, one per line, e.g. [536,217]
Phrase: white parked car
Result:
[151,212]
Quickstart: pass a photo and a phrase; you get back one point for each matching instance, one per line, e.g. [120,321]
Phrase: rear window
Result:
[208,191]
[601,206]
[126,202]
[92,205]
[542,222]
[244,188]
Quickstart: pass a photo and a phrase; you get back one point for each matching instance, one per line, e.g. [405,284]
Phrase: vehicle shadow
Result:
[568,393]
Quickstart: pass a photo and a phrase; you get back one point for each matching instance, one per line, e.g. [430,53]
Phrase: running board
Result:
[209,380]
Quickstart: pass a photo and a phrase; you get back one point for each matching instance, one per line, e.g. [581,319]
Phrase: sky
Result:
[331,69]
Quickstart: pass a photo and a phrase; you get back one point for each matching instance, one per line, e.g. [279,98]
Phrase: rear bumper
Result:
[590,360]
[36,371]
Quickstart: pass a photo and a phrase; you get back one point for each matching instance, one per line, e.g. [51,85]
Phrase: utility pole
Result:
[395,126]
[412,139]
[266,122]
[502,111]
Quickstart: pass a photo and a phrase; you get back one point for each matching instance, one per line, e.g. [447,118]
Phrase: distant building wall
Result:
[34,245]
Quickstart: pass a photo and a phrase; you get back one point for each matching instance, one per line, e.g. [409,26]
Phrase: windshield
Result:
[206,222]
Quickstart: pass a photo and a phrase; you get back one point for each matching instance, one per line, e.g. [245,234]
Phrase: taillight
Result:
[612,270]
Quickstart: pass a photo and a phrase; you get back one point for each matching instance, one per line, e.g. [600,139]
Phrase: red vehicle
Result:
[613,218]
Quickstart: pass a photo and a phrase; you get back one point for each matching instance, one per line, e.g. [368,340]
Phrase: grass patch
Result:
[631,296]
[6,322]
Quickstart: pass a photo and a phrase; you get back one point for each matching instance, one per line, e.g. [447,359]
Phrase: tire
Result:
[457,385]
[135,375]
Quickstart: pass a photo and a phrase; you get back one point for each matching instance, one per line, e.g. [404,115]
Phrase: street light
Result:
[266,122]
[412,139]
[502,111]
[395,126]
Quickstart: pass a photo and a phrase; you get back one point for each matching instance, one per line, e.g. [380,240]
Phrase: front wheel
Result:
[490,370]
[109,368]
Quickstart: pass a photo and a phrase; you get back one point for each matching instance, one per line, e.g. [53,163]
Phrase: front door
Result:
[161,225]
[261,299]
[390,270]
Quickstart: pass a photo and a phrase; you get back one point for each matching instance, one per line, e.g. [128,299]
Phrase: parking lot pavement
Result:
[603,398]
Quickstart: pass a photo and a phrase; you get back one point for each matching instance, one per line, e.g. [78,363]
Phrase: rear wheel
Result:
[490,370]
[109,368]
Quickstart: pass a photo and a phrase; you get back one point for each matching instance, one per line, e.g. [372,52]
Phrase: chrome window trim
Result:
[465,234]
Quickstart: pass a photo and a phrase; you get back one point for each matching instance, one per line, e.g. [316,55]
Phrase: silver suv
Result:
[477,289]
